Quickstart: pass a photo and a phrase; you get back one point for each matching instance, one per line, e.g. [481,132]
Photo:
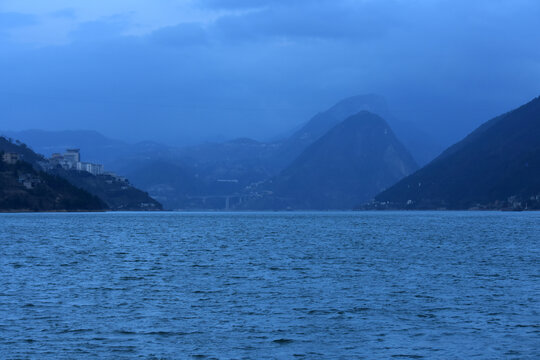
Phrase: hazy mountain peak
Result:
[321,123]
[370,102]
[354,160]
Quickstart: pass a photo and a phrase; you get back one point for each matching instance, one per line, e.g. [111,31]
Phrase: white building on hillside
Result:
[72,155]
[71,160]
[95,169]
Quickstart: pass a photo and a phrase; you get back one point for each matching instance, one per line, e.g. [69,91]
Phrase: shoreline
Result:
[26,211]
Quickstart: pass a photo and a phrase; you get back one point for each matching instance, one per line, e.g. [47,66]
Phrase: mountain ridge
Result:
[497,166]
[352,162]
[217,169]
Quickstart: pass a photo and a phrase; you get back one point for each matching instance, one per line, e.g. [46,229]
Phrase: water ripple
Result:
[446,285]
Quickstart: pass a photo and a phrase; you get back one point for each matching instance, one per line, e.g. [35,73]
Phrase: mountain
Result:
[23,187]
[117,193]
[244,160]
[351,163]
[495,167]
[422,147]
[322,122]
[166,182]
[201,176]
[16,146]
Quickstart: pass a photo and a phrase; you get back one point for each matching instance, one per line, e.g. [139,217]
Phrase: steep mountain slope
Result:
[16,146]
[23,187]
[351,163]
[118,194]
[497,166]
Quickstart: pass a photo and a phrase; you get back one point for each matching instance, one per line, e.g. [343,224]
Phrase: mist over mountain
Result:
[229,174]
[354,160]
[496,166]
[183,177]
[184,72]
[420,144]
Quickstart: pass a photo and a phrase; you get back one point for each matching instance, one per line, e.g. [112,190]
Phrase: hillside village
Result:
[31,173]
[69,160]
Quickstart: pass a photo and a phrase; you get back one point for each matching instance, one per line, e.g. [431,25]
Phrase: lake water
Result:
[447,285]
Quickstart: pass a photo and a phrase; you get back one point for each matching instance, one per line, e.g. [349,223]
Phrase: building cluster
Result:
[71,160]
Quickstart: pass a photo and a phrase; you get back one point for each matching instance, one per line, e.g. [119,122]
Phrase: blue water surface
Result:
[436,285]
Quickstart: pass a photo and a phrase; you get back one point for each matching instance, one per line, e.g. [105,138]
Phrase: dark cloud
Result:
[446,65]
[309,19]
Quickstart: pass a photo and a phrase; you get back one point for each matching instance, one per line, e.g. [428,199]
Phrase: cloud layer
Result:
[258,68]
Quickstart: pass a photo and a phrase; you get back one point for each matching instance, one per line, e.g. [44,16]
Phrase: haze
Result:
[188,71]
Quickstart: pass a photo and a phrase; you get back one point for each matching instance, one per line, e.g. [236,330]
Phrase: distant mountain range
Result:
[496,167]
[229,174]
[339,159]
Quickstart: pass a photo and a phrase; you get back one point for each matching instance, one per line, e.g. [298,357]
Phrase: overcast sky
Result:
[187,70]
